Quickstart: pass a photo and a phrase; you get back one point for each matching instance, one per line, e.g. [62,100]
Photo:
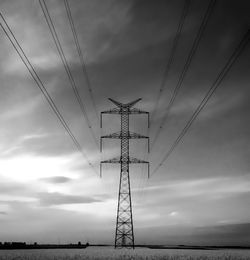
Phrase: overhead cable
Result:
[66,66]
[186,67]
[245,40]
[165,75]
[172,54]
[10,35]
[80,53]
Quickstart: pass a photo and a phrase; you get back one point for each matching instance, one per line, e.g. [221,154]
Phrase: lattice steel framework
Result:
[124,234]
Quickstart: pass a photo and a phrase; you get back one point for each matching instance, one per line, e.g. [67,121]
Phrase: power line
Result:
[80,53]
[165,76]
[186,66]
[172,54]
[169,64]
[66,65]
[41,86]
[208,95]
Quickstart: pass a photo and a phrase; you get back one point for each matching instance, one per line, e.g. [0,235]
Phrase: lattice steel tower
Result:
[124,234]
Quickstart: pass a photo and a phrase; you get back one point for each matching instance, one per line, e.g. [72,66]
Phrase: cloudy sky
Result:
[48,192]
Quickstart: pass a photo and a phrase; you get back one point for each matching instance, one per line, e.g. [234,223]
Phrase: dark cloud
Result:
[56,179]
[56,198]
[3,213]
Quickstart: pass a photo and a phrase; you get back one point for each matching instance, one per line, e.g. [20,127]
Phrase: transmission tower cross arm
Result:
[114,111]
[111,111]
[136,111]
[127,105]
[119,160]
[139,136]
[135,160]
[113,160]
[124,108]
[120,135]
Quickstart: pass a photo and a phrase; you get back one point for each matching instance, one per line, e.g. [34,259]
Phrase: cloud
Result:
[12,187]
[217,106]
[22,109]
[56,179]
[101,25]
[33,39]
[223,234]
[3,213]
[216,187]
[34,136]
[219,235]
[56,198]
[18,145]
[173,214]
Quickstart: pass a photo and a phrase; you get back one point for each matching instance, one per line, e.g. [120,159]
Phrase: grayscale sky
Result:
[48,192]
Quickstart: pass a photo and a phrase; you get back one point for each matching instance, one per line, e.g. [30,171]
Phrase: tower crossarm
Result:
[119,160]
[120,135]
[116,135]
[135,160]
[125,109]
[133,135]
[136,111]
[120,110]
[130,135]
[111,111]
[113,160]
[127,105]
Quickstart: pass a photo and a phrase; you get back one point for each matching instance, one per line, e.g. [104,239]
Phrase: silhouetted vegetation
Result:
[35,245]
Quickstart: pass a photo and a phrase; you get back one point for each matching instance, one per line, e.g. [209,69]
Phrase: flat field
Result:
[108,253]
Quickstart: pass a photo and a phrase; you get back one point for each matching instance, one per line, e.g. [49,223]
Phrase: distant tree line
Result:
[35,245]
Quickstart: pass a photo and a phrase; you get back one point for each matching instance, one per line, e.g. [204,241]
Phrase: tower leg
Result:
[124,234]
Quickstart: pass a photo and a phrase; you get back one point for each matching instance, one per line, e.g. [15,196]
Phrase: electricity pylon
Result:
[124,234]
